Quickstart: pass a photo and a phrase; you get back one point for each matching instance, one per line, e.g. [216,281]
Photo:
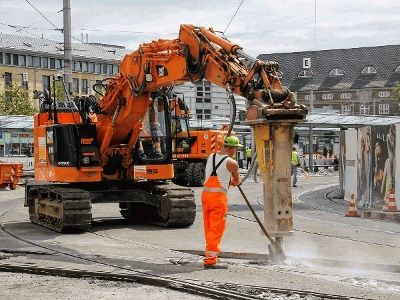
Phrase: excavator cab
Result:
[154,142]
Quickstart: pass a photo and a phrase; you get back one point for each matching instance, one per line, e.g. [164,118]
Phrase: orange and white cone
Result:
[352,207]
[390,202]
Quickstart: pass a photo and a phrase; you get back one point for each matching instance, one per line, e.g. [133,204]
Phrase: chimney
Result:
[82,41]
[87,38]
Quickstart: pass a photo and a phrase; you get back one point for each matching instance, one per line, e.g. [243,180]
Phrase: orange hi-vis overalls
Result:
[215,207]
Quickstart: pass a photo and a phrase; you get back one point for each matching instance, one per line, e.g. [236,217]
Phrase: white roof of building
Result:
[16,122]
[336,120]
[16,43]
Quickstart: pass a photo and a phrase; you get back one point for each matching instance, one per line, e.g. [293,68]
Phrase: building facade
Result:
[356,81]
[30,63]
[208,101]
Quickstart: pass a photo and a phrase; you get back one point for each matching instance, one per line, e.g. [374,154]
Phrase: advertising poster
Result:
[364,167]
[342,161]
[383,164]
[397,171]
[351,163]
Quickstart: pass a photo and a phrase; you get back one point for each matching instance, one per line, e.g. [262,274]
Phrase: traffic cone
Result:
[390,202]
[352,207]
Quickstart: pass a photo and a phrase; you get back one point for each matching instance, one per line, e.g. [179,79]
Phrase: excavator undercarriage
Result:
[66,208]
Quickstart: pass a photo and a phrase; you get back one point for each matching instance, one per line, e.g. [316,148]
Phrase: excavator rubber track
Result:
[178,206]
[60,209]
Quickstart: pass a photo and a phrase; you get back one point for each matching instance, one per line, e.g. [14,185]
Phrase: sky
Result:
[260,26]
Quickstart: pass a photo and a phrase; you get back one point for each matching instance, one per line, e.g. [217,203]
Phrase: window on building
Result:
[98,68]
[109,69]
[103,69]
[7,83]
[207,100]
[327,96]
[207,117]
[46,82]
[383,94]
[384,109]
[36,62]
[52,63]
[75,85]
[7,78]
[199,88]
[29,61]
[336,72]
[308,97]
[207,88]
[347,109]
[24,80]
[397,69]
[199,100]
[207,95]
[1,58]
[59,64]
[199,111]
[207,111]
[364,109]
[84,66]
[78,66]
[115,69]
[91,67]
[304,74]
[15,59]
[200,94]
[345,96]
[21,60]
[216,106]
[45,62]
[7,58]
[368,70]
[85,86]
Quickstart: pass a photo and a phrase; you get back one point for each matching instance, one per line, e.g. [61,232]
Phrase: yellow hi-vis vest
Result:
[295,158]
[248,152]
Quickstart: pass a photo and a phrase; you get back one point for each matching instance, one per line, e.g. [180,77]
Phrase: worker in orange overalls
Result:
[221,172]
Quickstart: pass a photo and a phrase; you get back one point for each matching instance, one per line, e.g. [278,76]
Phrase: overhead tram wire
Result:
[233,16]
[44,17]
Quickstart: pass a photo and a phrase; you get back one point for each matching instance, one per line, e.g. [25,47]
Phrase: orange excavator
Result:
[118,148]
[191,147]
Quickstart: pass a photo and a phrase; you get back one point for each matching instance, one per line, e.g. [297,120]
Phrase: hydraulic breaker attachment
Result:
[273,129]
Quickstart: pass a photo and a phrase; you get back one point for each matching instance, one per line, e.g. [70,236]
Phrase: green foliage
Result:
[14,100]
[396,91]
[59,90]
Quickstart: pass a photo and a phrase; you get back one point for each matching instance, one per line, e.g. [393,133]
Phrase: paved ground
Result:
[327,251]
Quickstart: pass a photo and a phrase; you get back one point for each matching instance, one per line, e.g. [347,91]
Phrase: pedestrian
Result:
[222,171]
[295,163]
[248,157]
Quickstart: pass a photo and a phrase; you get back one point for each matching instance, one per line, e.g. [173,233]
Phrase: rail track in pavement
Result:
[215,290]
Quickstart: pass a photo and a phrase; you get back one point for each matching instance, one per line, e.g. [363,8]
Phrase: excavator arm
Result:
[198,53]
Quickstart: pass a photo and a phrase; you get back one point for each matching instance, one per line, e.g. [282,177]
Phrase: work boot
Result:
[216,266]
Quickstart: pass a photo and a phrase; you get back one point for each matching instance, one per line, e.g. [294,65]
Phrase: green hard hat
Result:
[232,141]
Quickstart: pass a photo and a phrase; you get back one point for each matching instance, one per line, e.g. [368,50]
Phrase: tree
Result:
[396,91]
[14,100]
[59,90]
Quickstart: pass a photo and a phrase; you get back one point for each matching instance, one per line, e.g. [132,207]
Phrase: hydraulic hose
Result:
[233,112]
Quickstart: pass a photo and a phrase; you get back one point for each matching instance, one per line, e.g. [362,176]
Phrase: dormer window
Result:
[397,69]
[368,70]
[336,72]
[305,74]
